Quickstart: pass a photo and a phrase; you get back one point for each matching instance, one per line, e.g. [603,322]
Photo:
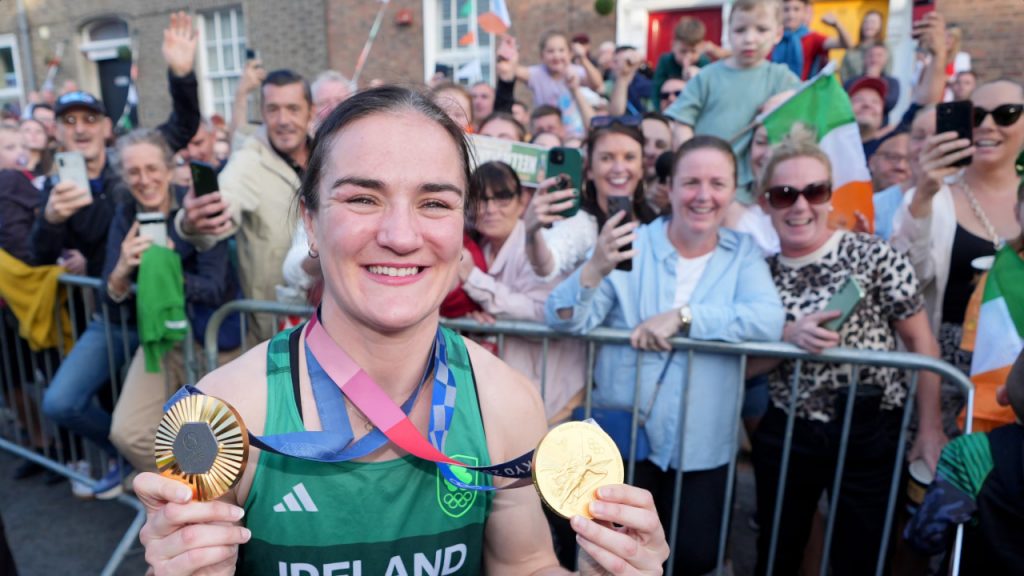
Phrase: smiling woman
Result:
[384,201]
[690,277]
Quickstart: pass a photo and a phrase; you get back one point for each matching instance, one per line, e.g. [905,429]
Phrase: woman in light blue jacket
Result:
[689,277]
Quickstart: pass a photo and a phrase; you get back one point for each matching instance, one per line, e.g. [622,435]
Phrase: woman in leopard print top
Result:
[814,264]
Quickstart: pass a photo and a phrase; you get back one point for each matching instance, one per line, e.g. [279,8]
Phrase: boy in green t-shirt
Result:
[724,98]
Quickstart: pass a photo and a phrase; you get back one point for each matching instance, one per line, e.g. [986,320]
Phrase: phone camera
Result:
[557,157]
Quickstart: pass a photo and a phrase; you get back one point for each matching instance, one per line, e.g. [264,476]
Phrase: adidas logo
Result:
[297,500]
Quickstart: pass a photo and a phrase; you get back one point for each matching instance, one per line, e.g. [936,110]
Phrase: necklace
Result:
[979,213]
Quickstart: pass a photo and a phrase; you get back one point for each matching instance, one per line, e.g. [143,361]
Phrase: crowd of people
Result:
[367,203]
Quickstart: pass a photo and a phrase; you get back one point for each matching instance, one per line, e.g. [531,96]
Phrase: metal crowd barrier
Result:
[34,371]
[913,363]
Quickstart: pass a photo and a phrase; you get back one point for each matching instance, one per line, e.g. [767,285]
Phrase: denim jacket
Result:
[735,300]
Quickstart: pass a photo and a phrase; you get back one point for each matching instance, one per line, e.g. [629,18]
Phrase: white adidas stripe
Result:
[290,504]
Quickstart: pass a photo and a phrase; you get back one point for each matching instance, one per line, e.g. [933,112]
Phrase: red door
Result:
[661,24]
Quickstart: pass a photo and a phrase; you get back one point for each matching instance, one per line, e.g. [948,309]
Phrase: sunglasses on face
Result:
[501,198]
[667,95]
[1005,115]
[781,197]
[606,121]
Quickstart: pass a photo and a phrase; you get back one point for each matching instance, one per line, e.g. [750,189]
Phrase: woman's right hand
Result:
[607,251]
[185,537]
[131,252]
[545,206]
[809,334]
[939,154]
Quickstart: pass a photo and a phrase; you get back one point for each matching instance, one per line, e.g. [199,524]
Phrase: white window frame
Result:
[207,78]
[17,92]
[458,55]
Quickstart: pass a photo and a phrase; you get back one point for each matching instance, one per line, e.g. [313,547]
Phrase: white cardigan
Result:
[929,244]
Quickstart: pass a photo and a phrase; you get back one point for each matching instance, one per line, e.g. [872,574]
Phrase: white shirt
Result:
[688,272]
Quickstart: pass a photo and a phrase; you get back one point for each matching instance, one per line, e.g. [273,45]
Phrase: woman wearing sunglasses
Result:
[509,290]
[689,277]
[557,245]
[954,216]
[814,265]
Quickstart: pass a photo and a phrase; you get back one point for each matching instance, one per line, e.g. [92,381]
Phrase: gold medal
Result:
[201,441]
[572,461]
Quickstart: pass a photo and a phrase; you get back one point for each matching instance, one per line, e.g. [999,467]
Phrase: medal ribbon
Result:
[327,364]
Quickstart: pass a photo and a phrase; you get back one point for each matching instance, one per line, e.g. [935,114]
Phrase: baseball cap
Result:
[876,84]
[78,99]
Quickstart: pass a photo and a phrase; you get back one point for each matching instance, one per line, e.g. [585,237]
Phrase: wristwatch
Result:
[685,320]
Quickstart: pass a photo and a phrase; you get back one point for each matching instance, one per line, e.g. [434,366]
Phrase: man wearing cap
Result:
[77,218]
[867,96]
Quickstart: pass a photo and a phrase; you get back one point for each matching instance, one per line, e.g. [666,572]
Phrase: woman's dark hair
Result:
[706,142]
[496,176]
[507,117]
[588,202]
[382,100]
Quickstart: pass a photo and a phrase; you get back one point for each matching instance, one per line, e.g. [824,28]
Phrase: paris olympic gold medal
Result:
[201,441]
[572,461]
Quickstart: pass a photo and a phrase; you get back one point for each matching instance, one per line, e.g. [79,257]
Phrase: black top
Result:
[993,544]
[18,202]
[963,278]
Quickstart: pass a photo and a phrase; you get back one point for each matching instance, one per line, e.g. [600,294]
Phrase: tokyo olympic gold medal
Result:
[572,461]
[201,441]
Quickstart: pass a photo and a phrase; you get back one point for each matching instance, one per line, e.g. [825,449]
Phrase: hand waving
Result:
[180,42]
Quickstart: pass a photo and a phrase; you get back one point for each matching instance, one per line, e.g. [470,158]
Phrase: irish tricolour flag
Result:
[822,106]
[998,336]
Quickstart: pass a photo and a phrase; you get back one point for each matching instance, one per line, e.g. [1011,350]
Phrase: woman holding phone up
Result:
[815,264]
[556,245]
[209,281]
[689,277]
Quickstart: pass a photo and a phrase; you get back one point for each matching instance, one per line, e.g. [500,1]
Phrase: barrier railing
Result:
[914,363]
[42,370]
[27,433]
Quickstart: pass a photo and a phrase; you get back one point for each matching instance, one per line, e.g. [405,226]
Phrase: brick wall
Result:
[290,36]
[992,30]
[397,54]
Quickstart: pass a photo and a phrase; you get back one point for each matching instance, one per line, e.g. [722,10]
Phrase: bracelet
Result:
[114,295]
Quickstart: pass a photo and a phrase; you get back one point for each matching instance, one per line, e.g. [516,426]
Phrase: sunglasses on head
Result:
[606,121]
[780,197]
[670,94]
[1005,115]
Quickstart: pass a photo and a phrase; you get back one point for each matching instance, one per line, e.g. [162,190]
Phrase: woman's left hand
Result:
[638,546]
[653,333]
[928,446]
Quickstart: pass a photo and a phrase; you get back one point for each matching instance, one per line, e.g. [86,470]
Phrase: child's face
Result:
[795,14]
[555,55]
[685,54]
[752,34]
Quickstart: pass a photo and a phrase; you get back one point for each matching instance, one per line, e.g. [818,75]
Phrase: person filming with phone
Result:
[206,281]
[846,289]
[963,205]
[687,277]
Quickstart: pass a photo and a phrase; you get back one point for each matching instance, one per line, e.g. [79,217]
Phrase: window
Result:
[449,21]
[221,59]
[10,72]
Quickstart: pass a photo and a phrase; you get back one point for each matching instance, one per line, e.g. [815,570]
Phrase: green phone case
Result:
[567,161]
[846,301]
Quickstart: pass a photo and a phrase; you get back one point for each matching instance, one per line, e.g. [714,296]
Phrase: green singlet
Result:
[394,518]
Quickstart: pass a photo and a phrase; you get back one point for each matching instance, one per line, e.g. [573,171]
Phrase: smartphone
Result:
[846,301]
[204,178]
[956,117]
[153,225]
[567,162]
[71,168]
[618,204]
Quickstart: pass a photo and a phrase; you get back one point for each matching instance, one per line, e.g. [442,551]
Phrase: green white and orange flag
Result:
[822,106]
[995,333]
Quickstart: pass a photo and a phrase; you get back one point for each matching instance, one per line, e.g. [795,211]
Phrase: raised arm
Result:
[179,51]
[842,38]
[594,80]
